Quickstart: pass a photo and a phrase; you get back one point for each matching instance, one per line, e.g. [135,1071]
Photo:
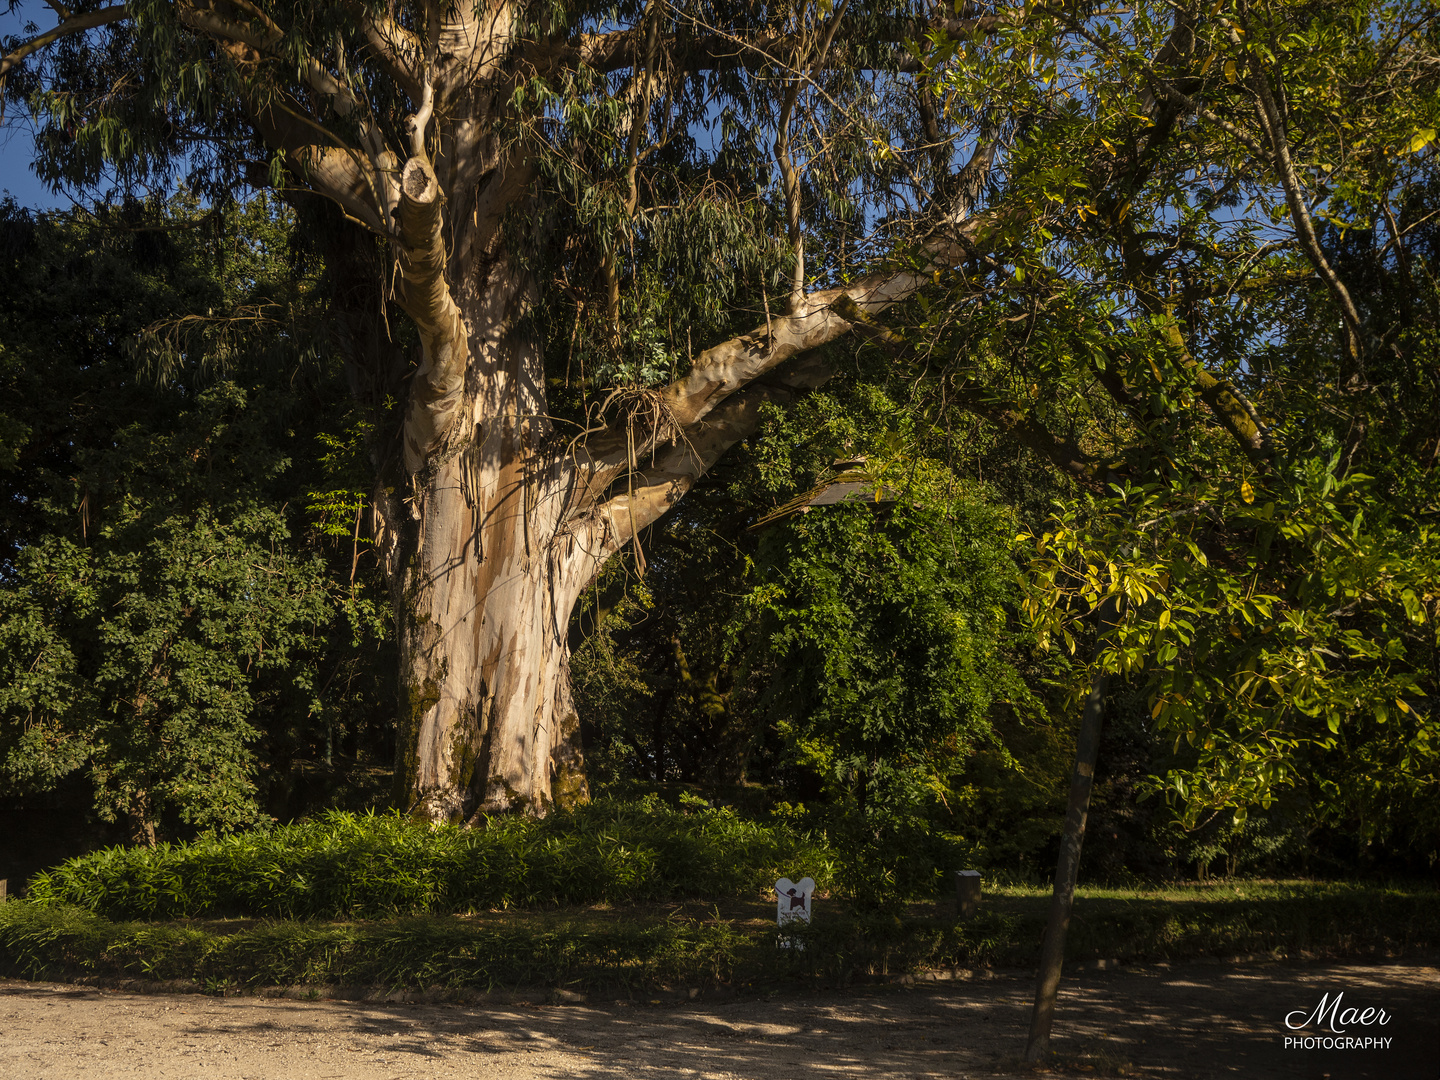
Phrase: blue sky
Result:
[16,179]
[16,147]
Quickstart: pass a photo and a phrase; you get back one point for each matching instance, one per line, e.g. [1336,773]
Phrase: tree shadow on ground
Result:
[1188,1022]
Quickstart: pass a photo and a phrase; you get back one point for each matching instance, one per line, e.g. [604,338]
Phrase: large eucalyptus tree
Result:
[618,233]
[618,180]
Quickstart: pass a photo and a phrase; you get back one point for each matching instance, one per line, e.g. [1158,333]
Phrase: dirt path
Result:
[1180,1022]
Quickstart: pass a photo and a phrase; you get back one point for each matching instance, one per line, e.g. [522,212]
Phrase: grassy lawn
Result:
[680,944]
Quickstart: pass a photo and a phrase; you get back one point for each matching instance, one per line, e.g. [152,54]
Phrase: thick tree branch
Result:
[726,368]
[206,22]
[438,385]
[338,173]
[722,369]
[675,471]
[1230,407]
[397,51]
[506,182]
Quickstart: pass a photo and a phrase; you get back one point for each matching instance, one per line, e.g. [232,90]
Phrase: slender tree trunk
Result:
[1052,952]
[142,820]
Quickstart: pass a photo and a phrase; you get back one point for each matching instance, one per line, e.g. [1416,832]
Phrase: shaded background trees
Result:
[184,644]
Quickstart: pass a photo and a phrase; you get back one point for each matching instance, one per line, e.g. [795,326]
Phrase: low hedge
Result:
[345,865]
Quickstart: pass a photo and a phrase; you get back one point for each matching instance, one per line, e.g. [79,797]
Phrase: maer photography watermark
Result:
[1330,1024]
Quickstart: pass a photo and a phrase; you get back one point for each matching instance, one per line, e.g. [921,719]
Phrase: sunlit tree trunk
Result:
[488,571]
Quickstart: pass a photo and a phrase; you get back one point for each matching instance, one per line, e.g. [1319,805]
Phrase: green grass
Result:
[344,865]
[643,946]
[617,893]
[1238,918]
[416,951]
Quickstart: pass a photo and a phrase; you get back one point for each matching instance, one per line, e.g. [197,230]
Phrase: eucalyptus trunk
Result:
[500,523]
[486,576]
[431,128]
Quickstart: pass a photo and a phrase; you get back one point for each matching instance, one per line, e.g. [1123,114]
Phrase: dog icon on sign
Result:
[793,905]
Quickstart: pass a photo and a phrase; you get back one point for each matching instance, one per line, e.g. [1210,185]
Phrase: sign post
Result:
[792,905]
[967,893]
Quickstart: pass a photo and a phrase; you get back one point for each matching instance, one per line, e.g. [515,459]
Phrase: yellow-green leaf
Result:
[1422,138]
[1246,491]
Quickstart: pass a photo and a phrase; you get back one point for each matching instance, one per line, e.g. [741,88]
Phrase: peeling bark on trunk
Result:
[506,524]
[486,587]
[492,526]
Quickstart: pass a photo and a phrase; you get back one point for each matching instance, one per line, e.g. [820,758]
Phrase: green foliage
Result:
[1249,539]
[377,865]
[883,634]
[1246,494]
[168,622]
[653,949]
[1261,684]
[155,695]
[416,952]
[891,634]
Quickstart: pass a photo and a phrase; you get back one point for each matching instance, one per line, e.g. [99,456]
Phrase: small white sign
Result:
[793,904]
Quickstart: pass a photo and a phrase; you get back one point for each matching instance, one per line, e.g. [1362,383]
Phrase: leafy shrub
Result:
[367,865]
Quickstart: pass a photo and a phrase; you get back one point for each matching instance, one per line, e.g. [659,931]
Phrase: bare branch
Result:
[656,489]
[1274,124]
[395,48]
[789,175]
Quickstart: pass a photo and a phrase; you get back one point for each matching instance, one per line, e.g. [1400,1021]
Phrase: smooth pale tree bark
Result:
[506,522]
[503,532]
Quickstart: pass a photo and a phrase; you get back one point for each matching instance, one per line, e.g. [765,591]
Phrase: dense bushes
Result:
[367,865]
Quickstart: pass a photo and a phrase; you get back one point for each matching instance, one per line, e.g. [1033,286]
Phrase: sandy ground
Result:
[1186,1022]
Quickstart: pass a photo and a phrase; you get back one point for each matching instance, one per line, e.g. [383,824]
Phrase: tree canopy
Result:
[1159,281]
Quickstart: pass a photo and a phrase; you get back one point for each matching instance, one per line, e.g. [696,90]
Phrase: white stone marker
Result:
[793,905]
